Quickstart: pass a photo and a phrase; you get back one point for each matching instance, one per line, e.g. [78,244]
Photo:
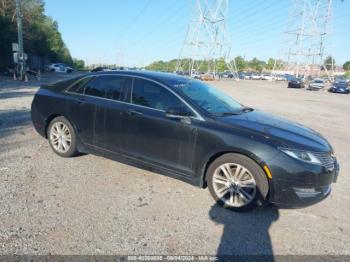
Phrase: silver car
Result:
[316,84]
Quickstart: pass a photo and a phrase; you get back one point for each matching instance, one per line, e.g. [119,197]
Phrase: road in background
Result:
[92,205]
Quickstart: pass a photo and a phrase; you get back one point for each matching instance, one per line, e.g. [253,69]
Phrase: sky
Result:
[138,32]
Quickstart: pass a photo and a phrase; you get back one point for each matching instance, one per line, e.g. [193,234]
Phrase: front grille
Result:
[326,160]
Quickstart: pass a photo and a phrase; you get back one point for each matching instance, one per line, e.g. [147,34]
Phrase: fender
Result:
[210,157]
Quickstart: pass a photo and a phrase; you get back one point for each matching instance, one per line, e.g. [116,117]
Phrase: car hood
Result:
[340,86]
[287,133]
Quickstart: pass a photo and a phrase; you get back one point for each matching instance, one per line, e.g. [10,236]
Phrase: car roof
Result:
[153,75]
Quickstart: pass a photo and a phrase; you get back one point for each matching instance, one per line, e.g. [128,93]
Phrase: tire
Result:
[57,137]
[250,174]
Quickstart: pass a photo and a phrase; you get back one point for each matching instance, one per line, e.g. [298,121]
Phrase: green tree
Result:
[41,36]
[221,65]
[270,64]
[257,65]
[329,62]
[78,64]
[157,66]
[274,64]
[346,66]
[241,64]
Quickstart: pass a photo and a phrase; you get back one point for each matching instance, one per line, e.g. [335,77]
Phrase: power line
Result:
[307,36]
[134,20]
[207,39]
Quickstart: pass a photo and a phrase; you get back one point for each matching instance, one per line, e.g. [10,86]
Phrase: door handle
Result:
[80,101]
[134,113]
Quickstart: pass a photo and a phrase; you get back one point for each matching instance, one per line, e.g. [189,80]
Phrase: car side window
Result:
[78,87]
[150,94]
[115,85]
[110,87]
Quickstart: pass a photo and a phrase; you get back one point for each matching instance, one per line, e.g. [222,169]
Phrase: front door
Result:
[150,135]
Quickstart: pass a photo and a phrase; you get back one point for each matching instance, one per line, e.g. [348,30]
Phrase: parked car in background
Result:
[227,74]
[256,77]
[316,84]
[187,129]
[340,87]
[99,69]
[280,78]
[196,75]
[248,76]
[59,68]
[207,77]
[241,75]
[289,77]
[9,71]
[296,83]
[267,77]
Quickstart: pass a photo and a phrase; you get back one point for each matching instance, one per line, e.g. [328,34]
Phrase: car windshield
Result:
[209,98]
[318,81]
[340,81]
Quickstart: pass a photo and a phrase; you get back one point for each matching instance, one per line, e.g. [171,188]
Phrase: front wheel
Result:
[62,137]
[237,182]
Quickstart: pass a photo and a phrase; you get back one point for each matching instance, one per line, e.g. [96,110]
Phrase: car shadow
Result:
[13,120]
[7,95]
[245,234]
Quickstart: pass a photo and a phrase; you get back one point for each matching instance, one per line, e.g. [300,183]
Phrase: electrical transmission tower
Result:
[307,37]
[207,41]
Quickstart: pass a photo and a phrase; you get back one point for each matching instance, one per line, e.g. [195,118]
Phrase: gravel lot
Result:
[92,205]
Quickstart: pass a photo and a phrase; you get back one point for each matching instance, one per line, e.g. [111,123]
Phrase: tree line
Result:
[41,37]
[240,62]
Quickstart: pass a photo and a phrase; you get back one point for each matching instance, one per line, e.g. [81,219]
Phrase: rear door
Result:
[111,110]
[81,110]
[105,93]
[93,104]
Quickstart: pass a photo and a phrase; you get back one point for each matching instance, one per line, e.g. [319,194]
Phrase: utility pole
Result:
[207,39]
[307,37]
[21,58]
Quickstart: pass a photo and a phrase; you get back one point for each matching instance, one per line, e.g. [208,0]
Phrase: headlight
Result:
[301,155]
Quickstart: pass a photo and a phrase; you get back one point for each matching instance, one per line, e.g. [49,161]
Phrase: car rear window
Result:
[61,85]
[78,86]
[110,87]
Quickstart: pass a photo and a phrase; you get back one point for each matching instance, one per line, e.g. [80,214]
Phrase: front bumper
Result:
[340,92]
[315,88]
[300,184]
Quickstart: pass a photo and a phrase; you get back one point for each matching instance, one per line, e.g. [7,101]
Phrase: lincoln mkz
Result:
[186,129]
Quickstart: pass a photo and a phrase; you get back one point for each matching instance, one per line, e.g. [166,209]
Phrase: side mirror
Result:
[177,112]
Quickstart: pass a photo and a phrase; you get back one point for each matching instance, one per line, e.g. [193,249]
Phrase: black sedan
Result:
[186,129]
[296,83]
[340,88]
[99,69]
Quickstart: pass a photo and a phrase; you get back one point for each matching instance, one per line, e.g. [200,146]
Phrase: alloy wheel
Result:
[60,137]
[234,185]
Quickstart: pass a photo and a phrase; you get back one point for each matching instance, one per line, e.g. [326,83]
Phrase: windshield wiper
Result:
[227,113]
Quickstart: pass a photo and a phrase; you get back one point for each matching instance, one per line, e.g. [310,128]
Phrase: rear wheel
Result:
[237,182]
[62,137]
